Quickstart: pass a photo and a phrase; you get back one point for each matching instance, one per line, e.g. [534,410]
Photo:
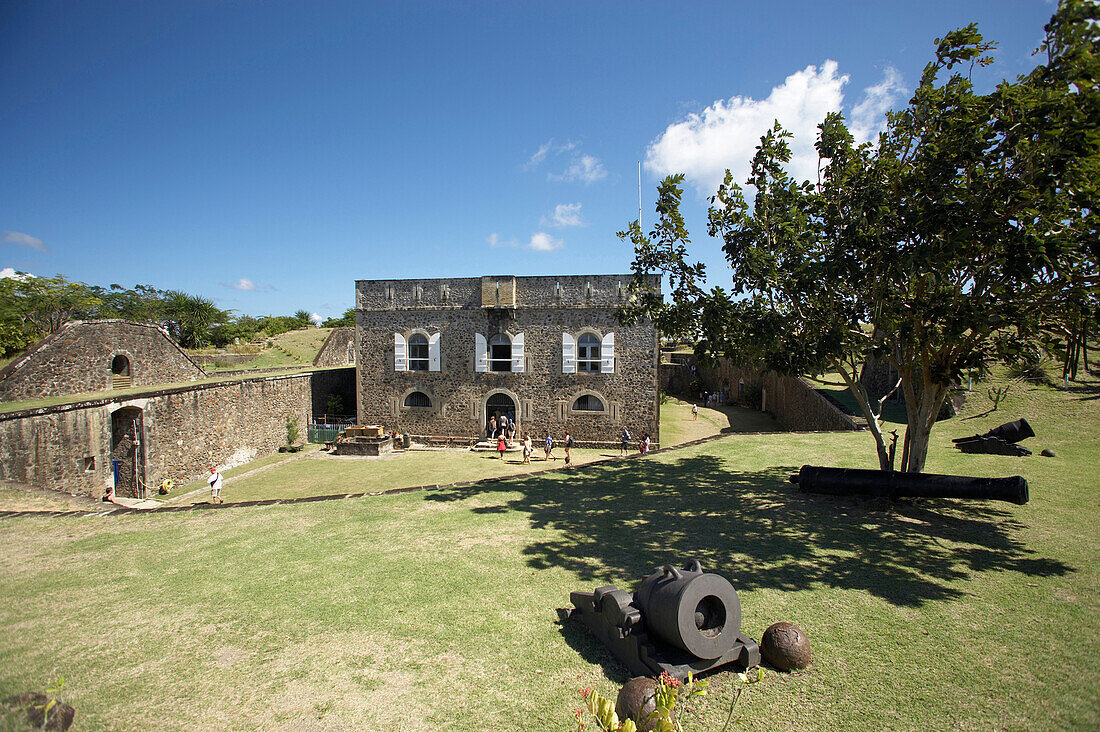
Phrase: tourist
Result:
[504,426]
[694,412]
[643,444]
[548,447]
[492,430]
[568,445]
[624,442]
[501,446]
[527,449]
[215,481]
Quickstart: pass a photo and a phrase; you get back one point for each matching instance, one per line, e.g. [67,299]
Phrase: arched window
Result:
[588,353]
[418,352]
[588,403]
[418,399]
[500,353]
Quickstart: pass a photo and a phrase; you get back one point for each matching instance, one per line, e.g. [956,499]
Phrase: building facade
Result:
[440,357]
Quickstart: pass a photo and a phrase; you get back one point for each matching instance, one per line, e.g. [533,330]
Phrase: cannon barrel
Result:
[690,609]
[1010,432]
[891,484]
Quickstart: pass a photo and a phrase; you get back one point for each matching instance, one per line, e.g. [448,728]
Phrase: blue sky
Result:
[268,154]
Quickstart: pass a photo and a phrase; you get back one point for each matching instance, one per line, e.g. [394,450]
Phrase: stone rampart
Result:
[184,432]
[792,401]
[89,356]
[338,349]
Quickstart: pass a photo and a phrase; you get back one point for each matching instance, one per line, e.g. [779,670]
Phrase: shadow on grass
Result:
[618,522]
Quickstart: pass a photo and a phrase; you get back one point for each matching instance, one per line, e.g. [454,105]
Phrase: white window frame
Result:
[587,362]
[425,360]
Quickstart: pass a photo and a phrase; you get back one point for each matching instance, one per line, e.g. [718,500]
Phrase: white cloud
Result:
[244,284]
[10,273]
[868,117]
[543,242]
[316,319]
[584,168]
[547,148]
[23,240]
[725,134]
[494,240]
[565,215]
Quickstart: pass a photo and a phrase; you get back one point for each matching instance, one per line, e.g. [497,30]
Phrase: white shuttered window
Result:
[568,354]
[607,354]
[400,351]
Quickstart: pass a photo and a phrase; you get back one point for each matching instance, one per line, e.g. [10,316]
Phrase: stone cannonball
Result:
[636,702]
[785,647]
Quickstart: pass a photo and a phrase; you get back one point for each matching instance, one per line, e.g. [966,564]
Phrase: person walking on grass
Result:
[501,445]
[624,442]
[694,412]
[527,449]
[215,481]
[568,447]
[549,446]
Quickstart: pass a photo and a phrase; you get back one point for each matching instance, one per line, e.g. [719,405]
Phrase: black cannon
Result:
[999,440]
[891,484]
[679,620]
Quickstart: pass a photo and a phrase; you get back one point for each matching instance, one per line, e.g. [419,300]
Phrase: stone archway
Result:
[120,372]
[127,455]
[498,403]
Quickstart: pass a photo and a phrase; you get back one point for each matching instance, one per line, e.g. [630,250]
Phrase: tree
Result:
[189,318]
[302,316]
[345,320]
[945,246]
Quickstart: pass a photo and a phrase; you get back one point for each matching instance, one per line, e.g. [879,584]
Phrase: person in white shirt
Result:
[215,481]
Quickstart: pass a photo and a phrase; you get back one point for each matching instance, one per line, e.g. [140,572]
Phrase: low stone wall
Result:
[185,431]
[795,404]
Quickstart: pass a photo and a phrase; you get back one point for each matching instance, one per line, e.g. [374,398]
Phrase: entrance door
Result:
[499,404]
[126,452]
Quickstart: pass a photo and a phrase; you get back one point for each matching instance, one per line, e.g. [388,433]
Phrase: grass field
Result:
[436,610]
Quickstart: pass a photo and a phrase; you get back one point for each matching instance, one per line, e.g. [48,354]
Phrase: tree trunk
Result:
[885,456]
[921,419]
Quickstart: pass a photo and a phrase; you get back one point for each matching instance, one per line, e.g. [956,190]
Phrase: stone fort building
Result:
[439,357]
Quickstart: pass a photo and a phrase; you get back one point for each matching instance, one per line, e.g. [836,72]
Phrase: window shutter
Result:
[400,349]
[607,354]
[517,353]
[433,352]
[568,354]
[481,353]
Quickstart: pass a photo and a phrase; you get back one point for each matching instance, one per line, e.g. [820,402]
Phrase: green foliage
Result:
[292,431]
[345,320]
[334,405]
[965,234]
[668,693]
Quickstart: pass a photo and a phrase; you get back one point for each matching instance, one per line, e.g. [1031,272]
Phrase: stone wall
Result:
[542,309]
[338,349]
[78,359]
[794,403]
[184,432]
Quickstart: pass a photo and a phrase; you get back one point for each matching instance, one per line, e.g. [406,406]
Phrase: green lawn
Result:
[293,348]
[436,610]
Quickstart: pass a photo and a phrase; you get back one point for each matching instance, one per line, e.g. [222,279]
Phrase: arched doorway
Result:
[120,372]
[127,456]
[498,404]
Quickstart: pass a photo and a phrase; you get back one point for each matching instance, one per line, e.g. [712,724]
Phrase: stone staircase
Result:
[486,445]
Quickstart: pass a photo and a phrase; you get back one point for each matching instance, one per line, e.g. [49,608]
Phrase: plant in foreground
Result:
[667,694]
